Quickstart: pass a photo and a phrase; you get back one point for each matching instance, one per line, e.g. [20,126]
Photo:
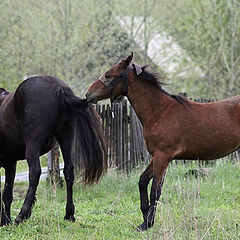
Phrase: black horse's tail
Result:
[89,134]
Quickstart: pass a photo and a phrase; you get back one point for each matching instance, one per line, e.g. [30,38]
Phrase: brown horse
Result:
[173,126]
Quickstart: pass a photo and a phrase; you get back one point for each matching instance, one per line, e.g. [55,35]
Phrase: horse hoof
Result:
[70,218]
[142,227]
[16,223]
[4,221]
[18,220]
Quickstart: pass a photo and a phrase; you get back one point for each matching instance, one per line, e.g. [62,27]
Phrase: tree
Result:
[209,33]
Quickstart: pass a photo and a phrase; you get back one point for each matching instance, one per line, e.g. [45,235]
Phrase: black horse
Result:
[44,109]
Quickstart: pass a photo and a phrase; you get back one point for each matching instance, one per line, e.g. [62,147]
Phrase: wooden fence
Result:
[124,137]
[125,144]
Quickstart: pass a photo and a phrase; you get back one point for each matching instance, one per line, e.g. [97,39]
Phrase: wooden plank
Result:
[131,138]
[113,135]
[120,137]
[125,132]
[107,133]
[103,116]
[117,137]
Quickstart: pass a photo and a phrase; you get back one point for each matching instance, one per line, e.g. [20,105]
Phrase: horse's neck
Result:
[4,96]
[1,100]
[148,101]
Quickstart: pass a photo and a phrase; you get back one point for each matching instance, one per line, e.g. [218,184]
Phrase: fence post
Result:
[53,166]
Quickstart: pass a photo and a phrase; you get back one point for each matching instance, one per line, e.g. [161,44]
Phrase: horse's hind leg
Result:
[10,172]
[65,142]
[32,155]
[160,164]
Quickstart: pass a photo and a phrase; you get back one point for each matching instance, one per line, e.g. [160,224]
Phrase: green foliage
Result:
[73,40]
[79,40]
[209,32]
[189,208]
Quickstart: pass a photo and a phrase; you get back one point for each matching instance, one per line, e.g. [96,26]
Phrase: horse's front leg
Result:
[160,164]
[143,185]
[7,198]
[32,155]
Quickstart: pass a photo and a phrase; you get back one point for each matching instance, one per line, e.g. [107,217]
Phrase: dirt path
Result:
[23,176]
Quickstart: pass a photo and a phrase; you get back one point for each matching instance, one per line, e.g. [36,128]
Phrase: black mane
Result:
[153,79]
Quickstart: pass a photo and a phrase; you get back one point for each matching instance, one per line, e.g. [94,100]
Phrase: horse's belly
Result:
[208,152]
[15,152]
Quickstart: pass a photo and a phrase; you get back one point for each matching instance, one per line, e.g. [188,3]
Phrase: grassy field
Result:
[189,208]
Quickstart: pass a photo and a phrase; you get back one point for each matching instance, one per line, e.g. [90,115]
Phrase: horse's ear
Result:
[3,92]
[125,62]
[138,69]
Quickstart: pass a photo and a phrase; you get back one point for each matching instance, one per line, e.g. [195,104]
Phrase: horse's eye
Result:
[107,76]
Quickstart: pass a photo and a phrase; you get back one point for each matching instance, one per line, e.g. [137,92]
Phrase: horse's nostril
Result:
[90,97]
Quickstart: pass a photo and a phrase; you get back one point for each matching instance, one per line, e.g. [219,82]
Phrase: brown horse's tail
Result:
[89,134]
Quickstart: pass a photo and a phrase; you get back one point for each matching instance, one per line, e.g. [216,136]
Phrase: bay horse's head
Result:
[3,94]
[113,83]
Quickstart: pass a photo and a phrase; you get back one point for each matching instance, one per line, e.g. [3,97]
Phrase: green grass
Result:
[189,208]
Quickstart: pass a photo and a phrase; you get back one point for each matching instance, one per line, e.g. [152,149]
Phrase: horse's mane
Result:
[154,80]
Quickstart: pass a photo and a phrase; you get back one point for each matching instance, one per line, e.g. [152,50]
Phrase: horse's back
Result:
[211,130]
[36,90]
[226,110]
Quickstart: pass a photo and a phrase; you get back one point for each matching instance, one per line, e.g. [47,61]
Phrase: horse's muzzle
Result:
[91,98]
